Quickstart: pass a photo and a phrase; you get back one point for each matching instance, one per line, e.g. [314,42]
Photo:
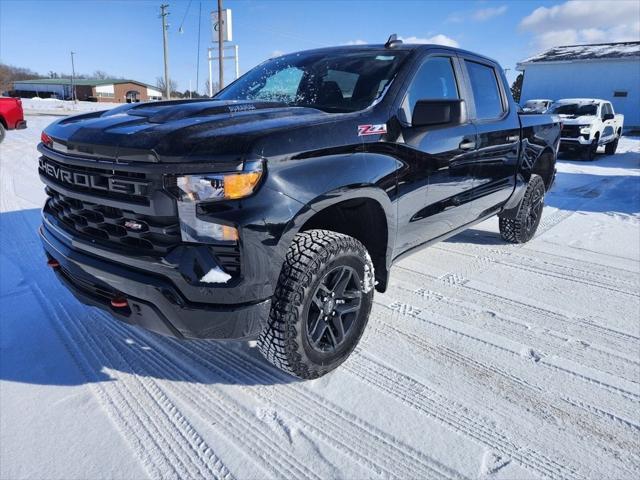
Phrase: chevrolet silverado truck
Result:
[588,123]
[275,209]
[11,115]
[539,105]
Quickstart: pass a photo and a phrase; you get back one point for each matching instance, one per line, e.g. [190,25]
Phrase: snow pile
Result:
[583,52]
[62,107]
[216,275]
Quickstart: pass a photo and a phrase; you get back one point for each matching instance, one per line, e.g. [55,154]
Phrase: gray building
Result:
[610,71]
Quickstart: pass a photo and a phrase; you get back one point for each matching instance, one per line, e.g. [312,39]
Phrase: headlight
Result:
[203,188]
[220,186]
[586,129]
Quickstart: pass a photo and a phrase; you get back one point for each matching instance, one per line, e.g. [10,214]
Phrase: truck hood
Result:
[179,131]
[577,120]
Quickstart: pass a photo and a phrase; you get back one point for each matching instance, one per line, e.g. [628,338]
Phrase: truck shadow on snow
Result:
[49,338]
[607,193]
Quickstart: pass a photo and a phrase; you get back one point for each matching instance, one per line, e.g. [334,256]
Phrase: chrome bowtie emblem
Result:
[133,225]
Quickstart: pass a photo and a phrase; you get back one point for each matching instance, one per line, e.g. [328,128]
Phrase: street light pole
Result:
[73,75]
[220,47]
[165,44]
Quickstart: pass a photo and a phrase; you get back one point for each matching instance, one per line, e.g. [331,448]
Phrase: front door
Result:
[133,96]
[434,184]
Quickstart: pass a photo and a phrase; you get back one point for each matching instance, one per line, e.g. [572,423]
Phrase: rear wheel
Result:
[611,147]
[321,305]
[523,226]
[2,132]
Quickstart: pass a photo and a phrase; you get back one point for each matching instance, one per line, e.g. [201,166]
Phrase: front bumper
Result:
[569,143]
[153,300]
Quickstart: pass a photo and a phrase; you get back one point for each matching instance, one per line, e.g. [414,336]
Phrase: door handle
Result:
[513,138]
[467,145]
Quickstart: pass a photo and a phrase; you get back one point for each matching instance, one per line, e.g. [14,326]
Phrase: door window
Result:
[435,80]
[486,93]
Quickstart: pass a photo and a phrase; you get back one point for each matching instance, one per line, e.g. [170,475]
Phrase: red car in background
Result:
[11,115]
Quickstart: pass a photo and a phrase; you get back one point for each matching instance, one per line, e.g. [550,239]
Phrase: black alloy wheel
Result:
[334,308]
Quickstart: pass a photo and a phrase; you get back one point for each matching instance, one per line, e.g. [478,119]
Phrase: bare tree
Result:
[172,84]
[10,74]
[101,75]
[215,89]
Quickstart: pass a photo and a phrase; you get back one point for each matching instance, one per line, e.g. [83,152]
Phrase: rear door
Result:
[498,130]
[433,186]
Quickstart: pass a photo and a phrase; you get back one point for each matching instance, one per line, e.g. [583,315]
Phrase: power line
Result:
[184,17]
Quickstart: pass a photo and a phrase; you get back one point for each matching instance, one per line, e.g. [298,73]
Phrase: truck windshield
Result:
[329,81]
[575,109]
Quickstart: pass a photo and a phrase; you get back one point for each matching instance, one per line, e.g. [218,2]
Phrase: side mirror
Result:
[438,112]
[607,116]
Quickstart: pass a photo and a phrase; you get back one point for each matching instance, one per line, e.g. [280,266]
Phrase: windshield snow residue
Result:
[329,81]
[575,109]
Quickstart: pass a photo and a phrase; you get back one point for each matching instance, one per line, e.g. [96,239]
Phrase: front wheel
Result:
[589,152]
[523,226]
[321,304]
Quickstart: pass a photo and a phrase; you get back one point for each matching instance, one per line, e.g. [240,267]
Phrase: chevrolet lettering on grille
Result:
[96,181]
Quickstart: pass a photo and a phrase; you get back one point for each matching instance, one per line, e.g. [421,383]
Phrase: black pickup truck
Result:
[273,210]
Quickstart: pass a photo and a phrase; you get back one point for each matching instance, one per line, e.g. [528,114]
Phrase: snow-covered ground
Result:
[483,360]
[52,106]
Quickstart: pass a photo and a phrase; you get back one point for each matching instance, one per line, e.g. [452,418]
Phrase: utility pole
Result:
[73,75]
[220,47]
[165,44]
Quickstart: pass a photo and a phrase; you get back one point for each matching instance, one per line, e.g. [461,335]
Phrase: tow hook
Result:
[119,302]
[53,263]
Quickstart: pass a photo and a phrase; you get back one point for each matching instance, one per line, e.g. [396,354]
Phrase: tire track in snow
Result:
[363,442]
[606,381]
[543,338]
[516,260]
[458,417]
[616,340]
[250,434]
[514,390]
[144,420]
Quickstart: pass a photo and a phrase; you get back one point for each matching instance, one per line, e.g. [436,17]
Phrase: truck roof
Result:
[397,46]
[580,100]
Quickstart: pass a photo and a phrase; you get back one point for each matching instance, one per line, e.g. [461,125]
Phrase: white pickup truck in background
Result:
[537,105]
[588,123]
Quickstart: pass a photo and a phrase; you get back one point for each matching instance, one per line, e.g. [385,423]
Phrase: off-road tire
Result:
[589,152]
[611,147]
[518,229]
[2,132]
[311,257]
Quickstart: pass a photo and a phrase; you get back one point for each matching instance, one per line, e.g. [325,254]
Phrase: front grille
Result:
[570,131]
[108,225]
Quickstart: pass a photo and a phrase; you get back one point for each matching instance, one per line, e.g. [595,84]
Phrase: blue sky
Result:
[124,37]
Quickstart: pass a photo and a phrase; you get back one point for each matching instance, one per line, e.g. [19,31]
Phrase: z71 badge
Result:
[372,129]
